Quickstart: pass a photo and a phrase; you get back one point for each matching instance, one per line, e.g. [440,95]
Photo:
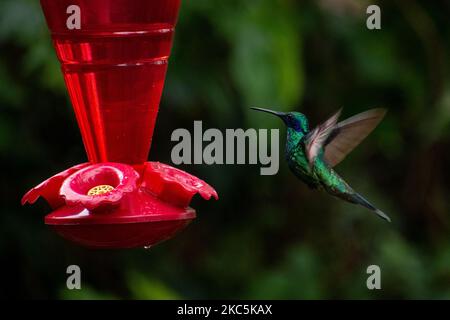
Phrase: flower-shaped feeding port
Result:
[99,186]
[113,205]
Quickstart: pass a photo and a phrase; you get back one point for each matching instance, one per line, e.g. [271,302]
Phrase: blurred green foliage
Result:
[268,236]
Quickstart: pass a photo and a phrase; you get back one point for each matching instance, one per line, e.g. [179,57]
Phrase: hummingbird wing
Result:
[349,133]
[317,138]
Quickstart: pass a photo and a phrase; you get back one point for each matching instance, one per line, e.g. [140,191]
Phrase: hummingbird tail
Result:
[359,199]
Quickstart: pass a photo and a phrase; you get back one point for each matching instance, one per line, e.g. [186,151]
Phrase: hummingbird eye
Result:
[294,123]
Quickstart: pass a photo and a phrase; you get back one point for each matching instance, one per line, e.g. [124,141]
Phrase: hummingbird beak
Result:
[276,113]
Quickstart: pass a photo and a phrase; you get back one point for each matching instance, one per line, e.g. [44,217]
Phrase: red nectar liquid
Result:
[114,67]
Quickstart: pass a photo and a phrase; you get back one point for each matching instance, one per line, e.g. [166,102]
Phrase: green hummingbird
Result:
[311,155]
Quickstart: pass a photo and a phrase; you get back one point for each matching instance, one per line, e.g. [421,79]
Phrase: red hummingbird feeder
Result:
[114,60]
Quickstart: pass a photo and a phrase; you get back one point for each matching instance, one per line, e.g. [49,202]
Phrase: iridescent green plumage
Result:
[311,155]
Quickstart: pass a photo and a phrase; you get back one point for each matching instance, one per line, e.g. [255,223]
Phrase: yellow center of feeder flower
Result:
[101,189]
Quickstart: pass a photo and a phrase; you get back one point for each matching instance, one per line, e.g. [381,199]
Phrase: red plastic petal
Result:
[120,176]
[173,185]
[49,189]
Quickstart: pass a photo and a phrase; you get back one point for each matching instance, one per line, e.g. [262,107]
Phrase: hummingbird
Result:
[312,154]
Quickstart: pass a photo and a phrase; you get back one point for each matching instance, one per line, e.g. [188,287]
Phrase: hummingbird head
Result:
[293,120]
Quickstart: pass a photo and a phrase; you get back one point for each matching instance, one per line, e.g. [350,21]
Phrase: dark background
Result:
[268,236]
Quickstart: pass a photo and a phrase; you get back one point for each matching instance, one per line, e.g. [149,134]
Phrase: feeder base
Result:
[113,205]
[121,236]
[141,220]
